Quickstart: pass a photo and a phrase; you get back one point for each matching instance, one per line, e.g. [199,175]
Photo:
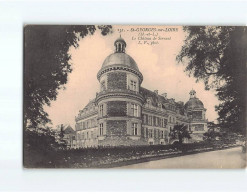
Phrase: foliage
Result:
[118,155]
[47,65]
[217,56]
[211,135]
[180,132]
[61,135]
[39,146]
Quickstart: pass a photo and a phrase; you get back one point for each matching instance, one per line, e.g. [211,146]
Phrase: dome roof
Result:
[194,103]
[120,59]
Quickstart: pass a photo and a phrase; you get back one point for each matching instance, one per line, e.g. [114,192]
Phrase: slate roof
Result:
[120,59]
[90,103]
[69,130]
[156,98]
[194,103]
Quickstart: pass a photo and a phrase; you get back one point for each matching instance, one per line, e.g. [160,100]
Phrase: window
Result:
[103,86]
[134,128]
[149,102]
[162,134]
[101,110]
[134,110]
[163,122]
[146,133]
[91,136]
[101,128]
[87,135]
[146,119]
[151,133]
[157,121]
[150,120]
[133,85]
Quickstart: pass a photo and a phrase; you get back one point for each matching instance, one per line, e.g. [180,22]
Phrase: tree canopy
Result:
[47,65]
[217,56]
[180,131]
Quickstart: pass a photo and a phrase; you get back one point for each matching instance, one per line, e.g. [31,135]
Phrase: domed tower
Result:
[196,113]
[119,101]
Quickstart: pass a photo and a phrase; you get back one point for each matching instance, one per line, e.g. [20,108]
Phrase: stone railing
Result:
[118,91]
[198,120]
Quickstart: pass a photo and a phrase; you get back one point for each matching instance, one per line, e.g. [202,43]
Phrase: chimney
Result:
[156,92]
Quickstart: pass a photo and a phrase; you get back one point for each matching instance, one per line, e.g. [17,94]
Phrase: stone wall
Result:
[116,108]
[116,80]
[116,128]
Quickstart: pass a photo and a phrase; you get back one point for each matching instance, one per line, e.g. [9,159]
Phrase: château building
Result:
[125,113]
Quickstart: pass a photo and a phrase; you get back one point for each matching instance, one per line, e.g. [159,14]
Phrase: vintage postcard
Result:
[126,96]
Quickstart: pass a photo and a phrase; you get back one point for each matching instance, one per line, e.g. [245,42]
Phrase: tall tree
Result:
[180,132]
[217,55]
[47,65]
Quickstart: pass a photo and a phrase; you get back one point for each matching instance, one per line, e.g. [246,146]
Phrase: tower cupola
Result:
[192,93]
[120,45]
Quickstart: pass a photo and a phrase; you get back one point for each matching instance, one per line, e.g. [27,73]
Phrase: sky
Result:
[157,63]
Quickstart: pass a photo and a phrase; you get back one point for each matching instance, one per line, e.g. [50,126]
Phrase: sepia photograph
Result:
[134,96]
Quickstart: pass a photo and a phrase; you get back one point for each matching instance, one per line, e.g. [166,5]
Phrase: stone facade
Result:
[117,108]
[124,113]
[116,80]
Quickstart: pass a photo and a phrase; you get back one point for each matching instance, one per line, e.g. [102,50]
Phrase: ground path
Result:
[228,158]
